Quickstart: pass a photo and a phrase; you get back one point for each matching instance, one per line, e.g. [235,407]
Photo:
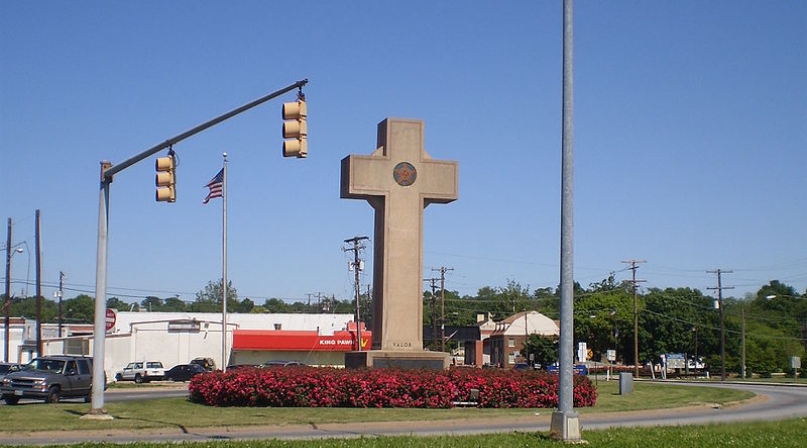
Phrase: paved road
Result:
[772,403]
[147,392]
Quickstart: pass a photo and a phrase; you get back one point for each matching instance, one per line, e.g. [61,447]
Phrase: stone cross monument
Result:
[399,180]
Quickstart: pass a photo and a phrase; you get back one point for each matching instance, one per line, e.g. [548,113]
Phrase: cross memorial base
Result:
[396,360]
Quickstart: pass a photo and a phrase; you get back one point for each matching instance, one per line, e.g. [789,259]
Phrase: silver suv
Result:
[50,378]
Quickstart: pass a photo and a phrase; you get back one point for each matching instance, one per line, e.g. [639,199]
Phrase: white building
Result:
[510,334]
[177,338]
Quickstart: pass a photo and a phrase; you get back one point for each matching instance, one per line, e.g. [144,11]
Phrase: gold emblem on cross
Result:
[404,174]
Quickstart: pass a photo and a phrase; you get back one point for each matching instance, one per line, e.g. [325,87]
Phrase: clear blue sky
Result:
[690,139]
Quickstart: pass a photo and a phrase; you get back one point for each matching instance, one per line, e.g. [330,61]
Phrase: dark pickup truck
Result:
[50,378]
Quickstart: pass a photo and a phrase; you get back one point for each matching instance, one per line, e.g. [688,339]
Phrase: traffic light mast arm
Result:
[109,173]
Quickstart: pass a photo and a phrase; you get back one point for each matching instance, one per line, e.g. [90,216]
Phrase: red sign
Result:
[111,317]
[340,341]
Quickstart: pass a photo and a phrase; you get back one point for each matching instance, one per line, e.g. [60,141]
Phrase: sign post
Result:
[611,356]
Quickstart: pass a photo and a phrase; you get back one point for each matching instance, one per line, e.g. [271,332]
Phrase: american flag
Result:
[215,186]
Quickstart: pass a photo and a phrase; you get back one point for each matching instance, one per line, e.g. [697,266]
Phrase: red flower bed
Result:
[383,388]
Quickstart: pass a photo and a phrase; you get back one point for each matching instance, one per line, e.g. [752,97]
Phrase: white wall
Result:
[15,338]
[143,336]
[139,336]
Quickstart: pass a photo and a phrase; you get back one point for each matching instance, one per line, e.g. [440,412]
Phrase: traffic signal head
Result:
[295,129]
[166,179]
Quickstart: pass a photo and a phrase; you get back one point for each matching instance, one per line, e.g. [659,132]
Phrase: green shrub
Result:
[383,388]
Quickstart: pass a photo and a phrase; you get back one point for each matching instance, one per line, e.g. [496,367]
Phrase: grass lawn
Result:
[179,412]
[784,434]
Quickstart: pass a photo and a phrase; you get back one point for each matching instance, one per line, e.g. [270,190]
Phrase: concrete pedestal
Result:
[397,360]
[565,426]
[625,383]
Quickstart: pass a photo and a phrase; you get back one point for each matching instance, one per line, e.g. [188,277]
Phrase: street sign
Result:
[611,355]
[582,352]
[676,361]
[111,318]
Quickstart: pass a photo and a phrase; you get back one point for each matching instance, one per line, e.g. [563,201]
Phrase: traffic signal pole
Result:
[108,171]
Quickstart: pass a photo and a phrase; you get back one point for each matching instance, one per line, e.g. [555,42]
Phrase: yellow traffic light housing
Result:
[295,129]
[166,178]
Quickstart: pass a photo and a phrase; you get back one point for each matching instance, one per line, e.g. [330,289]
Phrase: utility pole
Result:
[61,292]
[319,297]
[433,282]
[720,289]
[356,265]
[634,281]
[368,316]
[443,270]
[38,286]
[742,361]
[7,303]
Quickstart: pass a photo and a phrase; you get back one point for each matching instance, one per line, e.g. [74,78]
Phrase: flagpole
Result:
[224,266]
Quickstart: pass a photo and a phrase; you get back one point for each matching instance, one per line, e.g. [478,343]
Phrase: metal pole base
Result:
[565,426]
[97,414]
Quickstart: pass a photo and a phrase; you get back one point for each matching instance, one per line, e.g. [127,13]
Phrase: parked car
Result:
[141,372]
[273,363]
[207,363]
[580,369]
[50,378]
[183,372]
[6,368]
[242,366]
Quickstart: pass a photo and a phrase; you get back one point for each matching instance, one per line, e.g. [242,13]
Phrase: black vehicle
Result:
[183,372]
[206,363]
[6,368]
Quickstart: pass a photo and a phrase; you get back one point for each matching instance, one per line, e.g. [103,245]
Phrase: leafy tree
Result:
[208,300]
[152,303]
[174,304]
[116,304]
[610,284]
[26,307]
[667,320]
[80,309]
[276,306]
[245,306]
[547,302]
[604,320]
[544,349]
[500,302]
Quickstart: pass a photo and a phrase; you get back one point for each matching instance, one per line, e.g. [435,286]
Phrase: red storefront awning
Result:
[283,340]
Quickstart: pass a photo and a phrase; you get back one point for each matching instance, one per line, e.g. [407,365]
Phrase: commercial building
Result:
[177,338]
